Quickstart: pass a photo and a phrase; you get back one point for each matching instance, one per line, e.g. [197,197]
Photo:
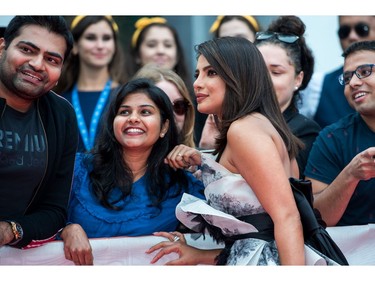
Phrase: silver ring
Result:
[176,238]
[179,154]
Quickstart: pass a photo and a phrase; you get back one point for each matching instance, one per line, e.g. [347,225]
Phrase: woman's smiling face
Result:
[138,122]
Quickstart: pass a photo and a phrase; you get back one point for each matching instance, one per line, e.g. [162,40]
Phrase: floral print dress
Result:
[228,197]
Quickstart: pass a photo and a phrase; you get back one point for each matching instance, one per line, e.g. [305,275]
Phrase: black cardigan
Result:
[46,213]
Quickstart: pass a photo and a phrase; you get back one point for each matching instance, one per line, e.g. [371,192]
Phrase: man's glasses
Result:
[180,106]
[361,71]
[361,29]
[286,38]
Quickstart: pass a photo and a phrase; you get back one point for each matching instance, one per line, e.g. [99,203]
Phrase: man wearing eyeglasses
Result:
[341,164]
[323,99]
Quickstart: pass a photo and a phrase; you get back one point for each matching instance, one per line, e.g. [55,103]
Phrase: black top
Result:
[306,130]
[23,153]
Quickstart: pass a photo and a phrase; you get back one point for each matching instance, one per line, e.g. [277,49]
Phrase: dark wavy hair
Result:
[298,52]
[249,87]
[109,171]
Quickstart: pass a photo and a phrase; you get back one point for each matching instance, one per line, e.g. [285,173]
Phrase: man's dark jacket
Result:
[46,214]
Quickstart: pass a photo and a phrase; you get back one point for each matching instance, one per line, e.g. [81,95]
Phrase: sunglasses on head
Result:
[361,71]
[180,106]
[283,37]
[361,29]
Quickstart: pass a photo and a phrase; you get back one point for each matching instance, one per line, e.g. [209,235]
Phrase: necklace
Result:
[140,170]
[89,137]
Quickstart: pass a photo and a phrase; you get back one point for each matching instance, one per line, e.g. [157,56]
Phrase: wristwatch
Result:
[17,232]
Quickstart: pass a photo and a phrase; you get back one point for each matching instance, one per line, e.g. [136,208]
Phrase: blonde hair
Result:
[157,74]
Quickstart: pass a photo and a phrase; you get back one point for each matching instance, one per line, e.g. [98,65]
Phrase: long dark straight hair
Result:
[249,87]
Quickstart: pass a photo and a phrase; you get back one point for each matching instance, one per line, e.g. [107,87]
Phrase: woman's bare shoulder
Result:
[255,121]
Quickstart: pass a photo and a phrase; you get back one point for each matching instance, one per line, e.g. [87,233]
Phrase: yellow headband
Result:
[250,19]
[77,20]
[141,24]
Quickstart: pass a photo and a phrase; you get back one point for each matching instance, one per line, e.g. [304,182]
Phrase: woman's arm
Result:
[259,155]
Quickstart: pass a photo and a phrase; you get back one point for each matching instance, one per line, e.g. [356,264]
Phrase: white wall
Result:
[321,36]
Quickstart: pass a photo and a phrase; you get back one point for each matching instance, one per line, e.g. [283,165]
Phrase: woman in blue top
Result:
[123,187]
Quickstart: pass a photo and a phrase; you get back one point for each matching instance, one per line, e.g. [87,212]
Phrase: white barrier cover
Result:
[356,242]
[106,251]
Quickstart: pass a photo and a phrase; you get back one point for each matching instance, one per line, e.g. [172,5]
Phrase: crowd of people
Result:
[97,140]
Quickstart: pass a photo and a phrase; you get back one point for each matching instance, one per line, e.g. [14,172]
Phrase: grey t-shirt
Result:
[23,156]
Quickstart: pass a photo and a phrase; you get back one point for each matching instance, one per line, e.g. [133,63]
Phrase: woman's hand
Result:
[187,255]
[209,133]
[183,157]
[77,247]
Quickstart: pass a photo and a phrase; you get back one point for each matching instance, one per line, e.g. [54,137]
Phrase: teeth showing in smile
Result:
[359,95]
[32,76]
[134,130]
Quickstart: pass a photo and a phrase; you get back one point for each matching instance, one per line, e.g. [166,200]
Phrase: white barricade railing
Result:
[106,251]
[356,242]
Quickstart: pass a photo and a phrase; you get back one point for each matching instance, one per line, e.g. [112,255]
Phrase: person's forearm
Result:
[334,199]
[70,229]
[290,243]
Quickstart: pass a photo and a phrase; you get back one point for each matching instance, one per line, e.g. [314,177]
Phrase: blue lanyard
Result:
[89,139]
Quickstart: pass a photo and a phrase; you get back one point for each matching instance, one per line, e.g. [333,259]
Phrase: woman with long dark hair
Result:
[123,187]
[250,204]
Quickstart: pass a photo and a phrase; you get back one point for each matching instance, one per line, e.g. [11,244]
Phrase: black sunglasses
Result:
[283,37]
[361,29]
[361,71]
[180,107]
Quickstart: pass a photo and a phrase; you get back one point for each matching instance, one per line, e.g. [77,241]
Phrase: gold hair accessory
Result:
[77,20]
[218,20]
[141,24]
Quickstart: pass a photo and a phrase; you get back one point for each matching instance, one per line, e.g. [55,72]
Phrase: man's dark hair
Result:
[359,46]
[55,24]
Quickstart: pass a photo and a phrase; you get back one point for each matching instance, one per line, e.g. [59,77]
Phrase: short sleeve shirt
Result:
[334,148]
